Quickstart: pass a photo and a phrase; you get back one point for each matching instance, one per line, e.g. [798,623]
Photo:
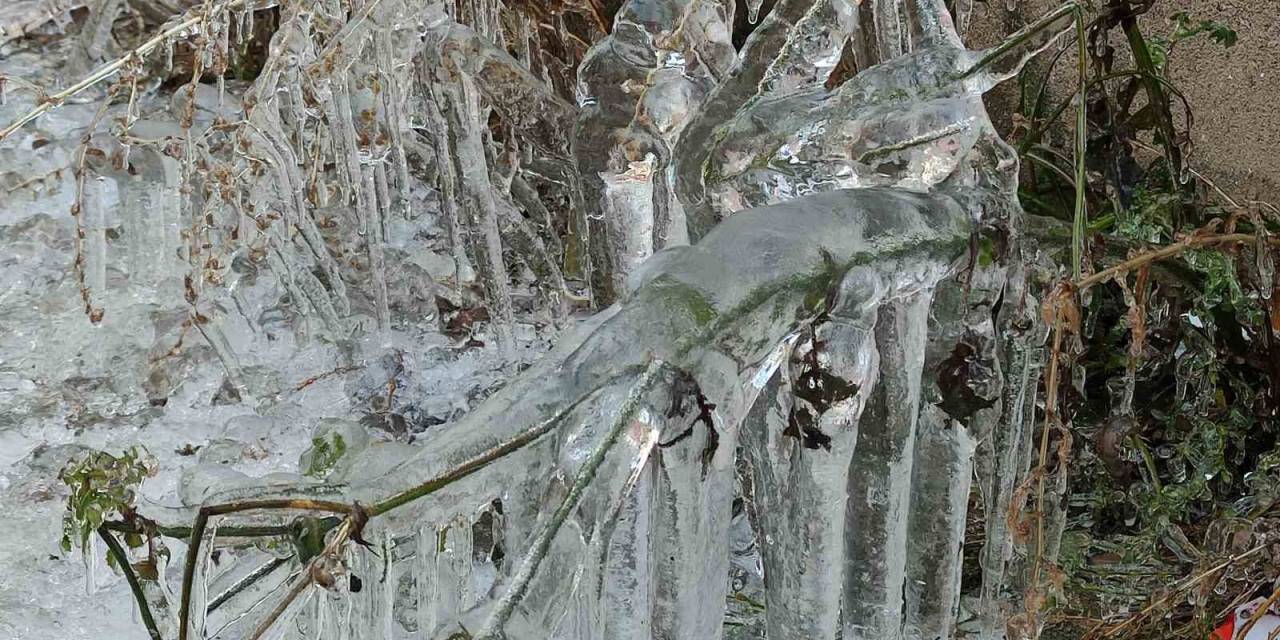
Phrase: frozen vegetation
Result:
[654,335]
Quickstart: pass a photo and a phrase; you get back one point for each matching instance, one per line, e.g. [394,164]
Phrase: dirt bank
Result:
[1234,93]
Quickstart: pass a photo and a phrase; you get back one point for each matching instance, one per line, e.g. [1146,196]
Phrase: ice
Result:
[638,90]
[794,378]
[721,330]
[278,344]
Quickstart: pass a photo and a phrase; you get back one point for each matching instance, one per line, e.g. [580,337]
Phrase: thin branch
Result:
[308,578]
[1082,141]
[122,561]
[1201,577]
[321,376]
[1050,423]
[197,536]
[493,627]
[1020,37]
[475,463]
[598,14]
[245,582]
[184,532]
[1169,251]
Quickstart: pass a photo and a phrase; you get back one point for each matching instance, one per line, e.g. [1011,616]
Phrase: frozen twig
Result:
[193,18]
[122,561]
[493,628]
[308,578]
[1113,632]
[197,535]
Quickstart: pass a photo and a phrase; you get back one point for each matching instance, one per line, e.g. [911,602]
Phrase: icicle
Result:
[448,559]
[200,587]
[525,242]
[293,197]
[447,180]
[880,481]
[346,150]
[94,210]
[242,18]
[664,62]
[482,212]
[217,340]
[1264,261]
[628,213]
[382,191]
[89,556]
[939,507]
[371,218]
[222,54]
[425,584]
[961,386]
[623,546]
[320,300]
[753,10]
[963,15]
[890,21]
[396,123]
[522,100]
[390,581]
[527,197]
[691,566]
[149,208]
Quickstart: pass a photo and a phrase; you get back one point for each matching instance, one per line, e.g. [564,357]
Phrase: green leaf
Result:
[103,486]
[325,451]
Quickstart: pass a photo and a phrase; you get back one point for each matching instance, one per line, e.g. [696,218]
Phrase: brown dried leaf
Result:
[1017,520]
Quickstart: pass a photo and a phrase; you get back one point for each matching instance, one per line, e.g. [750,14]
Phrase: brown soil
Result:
[1234,93]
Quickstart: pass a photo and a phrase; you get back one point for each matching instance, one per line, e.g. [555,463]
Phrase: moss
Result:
[677,296]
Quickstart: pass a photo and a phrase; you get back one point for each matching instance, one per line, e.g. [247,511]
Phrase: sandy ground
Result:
[1234,93]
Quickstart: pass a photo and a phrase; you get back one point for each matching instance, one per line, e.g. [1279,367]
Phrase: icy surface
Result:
[142,375]
[773,430]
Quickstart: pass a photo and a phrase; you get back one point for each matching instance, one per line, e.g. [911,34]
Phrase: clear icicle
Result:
[960,404]
[628,212]
[880,483]
[463,114]
[89,556]
[96,205]
[149,209]
[396,122]
[799,483]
